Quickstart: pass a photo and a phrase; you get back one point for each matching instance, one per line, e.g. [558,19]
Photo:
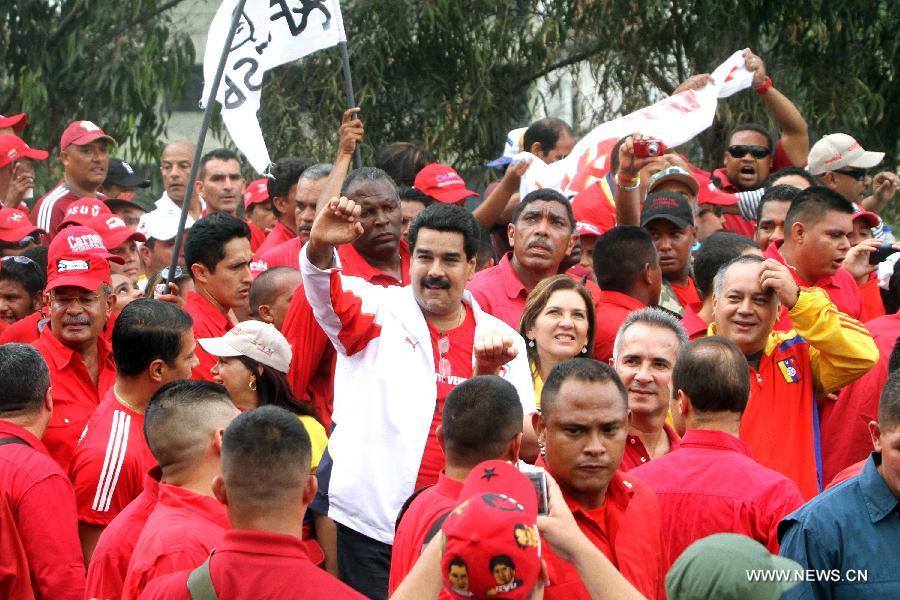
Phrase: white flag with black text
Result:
[270,33]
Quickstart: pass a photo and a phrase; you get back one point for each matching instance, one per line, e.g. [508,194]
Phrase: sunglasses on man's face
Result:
[853,173]
[23,243]
[741,150]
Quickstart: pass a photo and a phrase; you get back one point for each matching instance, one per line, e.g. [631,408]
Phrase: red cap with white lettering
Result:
[77,257]
[82,212]
[82,133]
[114,231]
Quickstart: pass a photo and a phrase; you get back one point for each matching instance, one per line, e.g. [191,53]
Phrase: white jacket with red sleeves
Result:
[384,392]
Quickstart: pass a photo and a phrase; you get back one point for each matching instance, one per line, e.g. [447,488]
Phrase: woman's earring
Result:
[252,384]
[531,342]
[584,349]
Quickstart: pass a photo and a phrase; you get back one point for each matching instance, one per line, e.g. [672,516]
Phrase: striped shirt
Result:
[110,461]
[50,210]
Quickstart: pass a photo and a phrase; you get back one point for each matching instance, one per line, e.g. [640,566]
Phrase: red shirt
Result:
[694,326]
[686,294]
[612,310]
[110,461]
[459,357]
[840,287]
[208,323]
[596,204]
[312,371]
[285,254]
[733,223]
[636,454]
[258,564]
[279,235]
[844,425]
[848,473]
[50,209]
[178,535]
[25,330]
[711,485]
[870,299]
[417,522]
[627,531]
[109,563]
[37,514]
[257,237]
[75,395]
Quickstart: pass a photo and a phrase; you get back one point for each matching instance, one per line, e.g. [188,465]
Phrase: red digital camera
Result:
[648,147]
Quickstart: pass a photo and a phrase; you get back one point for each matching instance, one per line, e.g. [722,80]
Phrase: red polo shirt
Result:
[279,235]
[257,564]
[626,528]
[840,287]
[285,254]
[844,425]
[418,522]
[257,236]
[636,454]
[28,329]
[733,223]
[37,514]
[179,534]
[694,326]
[109,563]
[75,395]
[312,371]
[612,310]
[711,485]
[110,461]
[870,299]
[687,294]
[208,323]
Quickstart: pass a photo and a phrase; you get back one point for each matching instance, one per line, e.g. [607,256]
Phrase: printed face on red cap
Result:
[15,225]
[442,183]
[12,148]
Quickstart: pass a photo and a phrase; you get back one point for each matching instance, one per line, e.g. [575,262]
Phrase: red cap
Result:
[78,257]
[872,220]
[256,192]
[17,122]
[114,231]
[82,211]
[442,183]
[12,148]
[14,225]
[585,228]
[82,133]
[492,548]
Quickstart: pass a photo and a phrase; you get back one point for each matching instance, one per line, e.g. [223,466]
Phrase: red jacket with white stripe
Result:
[384,391]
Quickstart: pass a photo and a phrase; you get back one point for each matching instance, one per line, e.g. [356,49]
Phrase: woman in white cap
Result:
[253,362]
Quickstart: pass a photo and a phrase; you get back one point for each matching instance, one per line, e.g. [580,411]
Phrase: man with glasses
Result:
[79,357]
[842,164]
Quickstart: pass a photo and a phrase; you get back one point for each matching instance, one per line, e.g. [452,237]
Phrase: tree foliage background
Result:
[456,76]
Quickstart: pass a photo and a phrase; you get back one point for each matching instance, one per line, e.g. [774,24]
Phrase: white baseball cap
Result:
[161,224]
[511,147]
[838,150]
[259,341]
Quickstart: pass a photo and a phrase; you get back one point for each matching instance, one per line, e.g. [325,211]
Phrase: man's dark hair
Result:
[457,562]
[501,559]
[285,173]
[752,127]
[403,161]
[581,369]
[179,415]
[486,250]
[415,195]
[316,172]
[812,204]
[39,255]
[446,218]
[147,330]
[713,373]
[787,171]
[266,455]
[620,255]
[23,271]
[481,416]
[24,378]
[265,286]
[544,195]
[889,406]
[208,238]
[776,193]
[715,251]
[894,360]
[223,154]
[363,174]
[547,131]
[891,296]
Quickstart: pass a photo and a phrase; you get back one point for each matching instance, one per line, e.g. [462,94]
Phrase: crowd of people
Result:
[676,383]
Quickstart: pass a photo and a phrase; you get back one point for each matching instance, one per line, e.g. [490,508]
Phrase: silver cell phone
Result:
[539,480]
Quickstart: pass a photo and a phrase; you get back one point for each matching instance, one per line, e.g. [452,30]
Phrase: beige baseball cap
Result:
[837,151]
[259,341]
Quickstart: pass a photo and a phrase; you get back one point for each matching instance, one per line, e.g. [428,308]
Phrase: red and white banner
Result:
[674,120]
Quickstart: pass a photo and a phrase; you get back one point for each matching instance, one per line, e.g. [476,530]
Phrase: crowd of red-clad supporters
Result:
[370,382]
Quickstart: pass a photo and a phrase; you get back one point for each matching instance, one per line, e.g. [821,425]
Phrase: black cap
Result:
[671,206]
[121,174]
